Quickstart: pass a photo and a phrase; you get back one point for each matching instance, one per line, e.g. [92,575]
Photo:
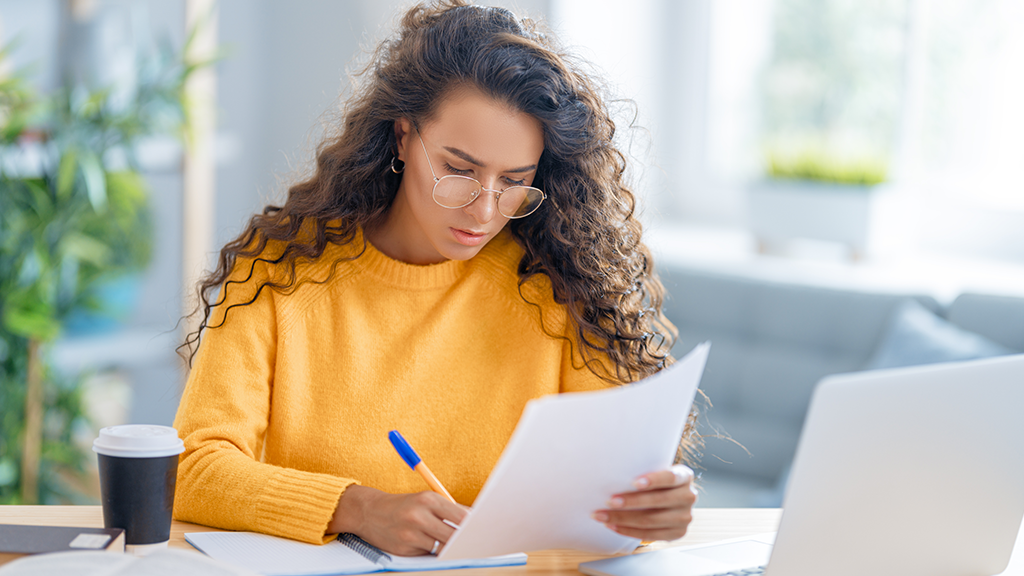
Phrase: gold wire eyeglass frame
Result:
[479,187]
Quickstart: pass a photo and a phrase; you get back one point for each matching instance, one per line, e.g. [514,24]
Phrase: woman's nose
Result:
[484,207]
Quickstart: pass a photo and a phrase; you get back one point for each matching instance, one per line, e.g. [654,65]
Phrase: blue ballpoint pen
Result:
[416,463]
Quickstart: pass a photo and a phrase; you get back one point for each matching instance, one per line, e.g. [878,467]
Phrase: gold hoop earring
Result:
[400,167]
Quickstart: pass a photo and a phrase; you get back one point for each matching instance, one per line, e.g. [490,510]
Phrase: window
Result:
[931,88]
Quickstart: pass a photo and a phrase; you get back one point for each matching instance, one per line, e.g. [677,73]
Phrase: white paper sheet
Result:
[568,455]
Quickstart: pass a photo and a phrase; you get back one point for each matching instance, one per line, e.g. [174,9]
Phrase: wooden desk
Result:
[709,524]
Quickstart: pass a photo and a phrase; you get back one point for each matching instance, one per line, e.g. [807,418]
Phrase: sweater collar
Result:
[415,276]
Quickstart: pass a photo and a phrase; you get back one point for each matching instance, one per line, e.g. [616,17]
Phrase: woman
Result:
[466,244]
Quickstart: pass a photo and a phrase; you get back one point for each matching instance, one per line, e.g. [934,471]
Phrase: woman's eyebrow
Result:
[476,162]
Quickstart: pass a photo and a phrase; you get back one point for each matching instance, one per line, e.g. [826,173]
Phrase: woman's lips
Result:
[468,237]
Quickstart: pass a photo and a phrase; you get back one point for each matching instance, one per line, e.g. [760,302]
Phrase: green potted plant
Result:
[73,214]
[818,163]
[813,191]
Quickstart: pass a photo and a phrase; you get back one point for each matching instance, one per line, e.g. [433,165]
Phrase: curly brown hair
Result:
[586,239]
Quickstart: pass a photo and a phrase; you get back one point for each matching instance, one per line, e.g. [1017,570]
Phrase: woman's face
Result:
[470,135]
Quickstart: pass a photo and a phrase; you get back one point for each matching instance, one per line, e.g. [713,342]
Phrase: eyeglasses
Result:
[453,191]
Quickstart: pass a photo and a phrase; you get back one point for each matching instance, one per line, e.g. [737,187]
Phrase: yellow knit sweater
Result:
[291,399]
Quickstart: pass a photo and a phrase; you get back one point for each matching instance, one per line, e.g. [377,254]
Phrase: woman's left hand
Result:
[659,509]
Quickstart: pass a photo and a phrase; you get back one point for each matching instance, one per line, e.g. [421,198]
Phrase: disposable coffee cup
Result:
[138,468]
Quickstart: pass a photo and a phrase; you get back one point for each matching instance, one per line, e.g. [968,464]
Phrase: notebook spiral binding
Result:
[364,548]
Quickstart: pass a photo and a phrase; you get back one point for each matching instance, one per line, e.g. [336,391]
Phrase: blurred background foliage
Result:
[74,215]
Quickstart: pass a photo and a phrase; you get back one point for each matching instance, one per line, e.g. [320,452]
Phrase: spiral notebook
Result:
[348,554]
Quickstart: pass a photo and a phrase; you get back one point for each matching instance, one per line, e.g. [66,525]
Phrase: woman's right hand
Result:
[402,524]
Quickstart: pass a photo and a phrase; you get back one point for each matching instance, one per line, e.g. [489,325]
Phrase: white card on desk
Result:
[568,455]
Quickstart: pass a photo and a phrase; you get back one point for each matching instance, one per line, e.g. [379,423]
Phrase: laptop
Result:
[898,472]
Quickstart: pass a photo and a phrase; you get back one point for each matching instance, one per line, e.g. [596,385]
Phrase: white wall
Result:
[653,52]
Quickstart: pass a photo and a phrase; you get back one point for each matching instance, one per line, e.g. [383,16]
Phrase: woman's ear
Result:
[403,132]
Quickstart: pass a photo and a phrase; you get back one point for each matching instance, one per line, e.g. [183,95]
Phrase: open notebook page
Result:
[274,556]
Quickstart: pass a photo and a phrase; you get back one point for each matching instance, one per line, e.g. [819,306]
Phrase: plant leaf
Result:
[85,248]
[66,174]
[28,315]
[95,181]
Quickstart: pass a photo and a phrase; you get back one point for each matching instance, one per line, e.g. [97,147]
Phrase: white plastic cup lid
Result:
[138,441]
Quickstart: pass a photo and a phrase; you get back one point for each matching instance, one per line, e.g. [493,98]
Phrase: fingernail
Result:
[641,482]
[683,474]
[600,516]
[616,502]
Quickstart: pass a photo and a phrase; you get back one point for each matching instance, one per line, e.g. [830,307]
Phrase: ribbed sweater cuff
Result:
[299,505]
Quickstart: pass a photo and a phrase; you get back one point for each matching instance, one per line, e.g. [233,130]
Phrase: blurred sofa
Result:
[773,340]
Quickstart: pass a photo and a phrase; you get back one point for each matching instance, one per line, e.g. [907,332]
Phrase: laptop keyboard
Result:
[744,572]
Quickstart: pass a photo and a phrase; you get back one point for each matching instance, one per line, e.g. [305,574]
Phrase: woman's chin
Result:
[457,251]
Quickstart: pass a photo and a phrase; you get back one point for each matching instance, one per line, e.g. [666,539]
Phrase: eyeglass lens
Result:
[514,202]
